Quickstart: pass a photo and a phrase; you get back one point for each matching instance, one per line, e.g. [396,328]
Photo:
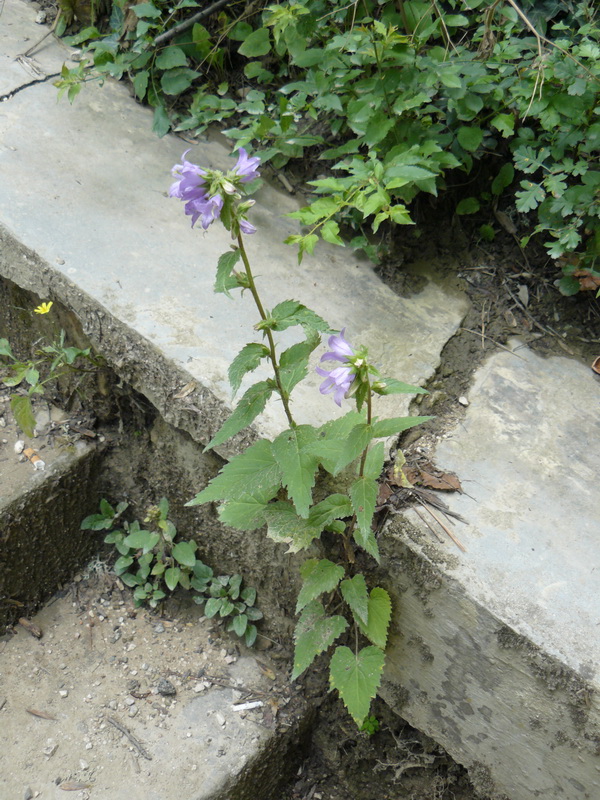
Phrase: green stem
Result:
[363,458]
[272,352]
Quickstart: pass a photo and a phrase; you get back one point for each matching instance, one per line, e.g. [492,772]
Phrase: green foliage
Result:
[30,377]
[152,564]
[356,676]
[370,725]
[391,98]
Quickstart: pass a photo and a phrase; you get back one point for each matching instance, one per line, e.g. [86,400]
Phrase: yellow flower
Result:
[44,308]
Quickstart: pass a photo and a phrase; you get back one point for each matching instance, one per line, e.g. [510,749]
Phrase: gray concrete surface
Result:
[499,650]
[495,650]
[84,186]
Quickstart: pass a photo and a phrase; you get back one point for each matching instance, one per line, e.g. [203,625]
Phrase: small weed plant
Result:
[153,564]
[492,101]
[271,483]
[31,377]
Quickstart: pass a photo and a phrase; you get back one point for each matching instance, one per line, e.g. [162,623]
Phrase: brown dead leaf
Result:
[41,714]
[431,477]
[187,389]
[74,786]
[587,281]
[29,626]
[596,365]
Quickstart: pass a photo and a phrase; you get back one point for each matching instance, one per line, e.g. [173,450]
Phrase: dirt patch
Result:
[110,696]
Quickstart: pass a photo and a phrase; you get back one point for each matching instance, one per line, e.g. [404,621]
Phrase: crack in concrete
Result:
[27,65]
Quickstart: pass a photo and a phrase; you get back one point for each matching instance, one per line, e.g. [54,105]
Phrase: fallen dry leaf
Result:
[74,786]
[431,477]
[41,714]
[29,626]
[596,365]
[587,281]
[187,389]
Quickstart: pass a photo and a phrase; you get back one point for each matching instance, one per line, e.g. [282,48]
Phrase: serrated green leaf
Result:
[358,439]
[286,527]
[314,633]
[363,494]
[185,553]
[531,196]
[357,678]
[254,471]
[354,592]
[318,577]
[298,467]
[142,540]
[331,438]
[291,312]
[374,461]
[23,414]
[388,427]
[336,506]
[225,265]
[246,360]
[386,386]
[249,407]
[245,513]
[378,618]
[172,576]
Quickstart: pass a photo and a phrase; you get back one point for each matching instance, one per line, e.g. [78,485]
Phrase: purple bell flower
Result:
[246,168]
[339,379]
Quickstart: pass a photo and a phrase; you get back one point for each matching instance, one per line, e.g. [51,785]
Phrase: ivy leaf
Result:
[257,43]
[357,678]
[354,592]
[5,348]
[161,124]
[23,413]
[185,553]
[172,576]
[225,265]
[244,513]
[298,467]
[363,494]
[250,406]
[469,137]
[505,123]
[318,577]
[171,57]
[314,633]
[378,618]
[504,178]
[468,205]
[142,540]
[176,81]
[392,386]
[285,526]
[253,472]
[388,427]
[246,360]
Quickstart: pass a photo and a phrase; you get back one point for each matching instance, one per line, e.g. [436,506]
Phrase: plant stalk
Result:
[263,316]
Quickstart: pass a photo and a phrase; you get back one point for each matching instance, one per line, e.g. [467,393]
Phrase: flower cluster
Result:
[206,192]
[340,379]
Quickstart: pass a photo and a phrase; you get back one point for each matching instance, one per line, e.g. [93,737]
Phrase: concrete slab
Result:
[503,668]
[84,186]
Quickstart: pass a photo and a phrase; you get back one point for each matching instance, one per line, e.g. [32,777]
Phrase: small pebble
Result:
[220,718]
[63,692]
[159,628]
[165,687]
[133,711]
[89,746]
[28,794]
[41,17]
[463,400]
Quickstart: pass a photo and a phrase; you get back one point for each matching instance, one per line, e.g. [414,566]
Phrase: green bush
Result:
[392,98]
